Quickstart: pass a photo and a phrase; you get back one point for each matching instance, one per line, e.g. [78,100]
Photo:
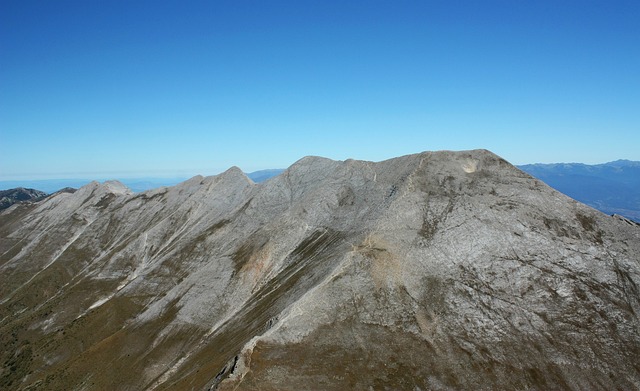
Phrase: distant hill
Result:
[20,194]
[53,185]
[263,175]
[136,185]
[613,188]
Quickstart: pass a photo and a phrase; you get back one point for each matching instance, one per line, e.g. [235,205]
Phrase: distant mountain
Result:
[20,194]
[263,175]
[613,188]
[53,185]
[136,185]
[48,186]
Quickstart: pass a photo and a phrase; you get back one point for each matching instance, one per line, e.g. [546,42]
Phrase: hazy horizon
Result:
[182,175]
[139,183]
[115,88]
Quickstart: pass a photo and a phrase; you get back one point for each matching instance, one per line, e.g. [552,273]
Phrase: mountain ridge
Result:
[612,188]
[436,270]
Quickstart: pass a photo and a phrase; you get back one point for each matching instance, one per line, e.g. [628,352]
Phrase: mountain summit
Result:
[434,271]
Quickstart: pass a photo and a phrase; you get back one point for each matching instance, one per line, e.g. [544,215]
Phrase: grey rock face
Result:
[443,270]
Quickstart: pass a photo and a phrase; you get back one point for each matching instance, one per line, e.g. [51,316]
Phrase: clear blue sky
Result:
[97,88]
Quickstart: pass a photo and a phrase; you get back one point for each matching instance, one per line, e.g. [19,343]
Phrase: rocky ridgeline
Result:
[20,194]
[443,270]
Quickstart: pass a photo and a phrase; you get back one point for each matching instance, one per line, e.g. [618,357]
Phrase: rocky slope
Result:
[443,270]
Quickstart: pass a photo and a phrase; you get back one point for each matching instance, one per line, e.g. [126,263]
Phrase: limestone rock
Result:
[440,270]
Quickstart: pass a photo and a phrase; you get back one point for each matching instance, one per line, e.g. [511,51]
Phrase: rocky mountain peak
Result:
[439,270]
[116,187]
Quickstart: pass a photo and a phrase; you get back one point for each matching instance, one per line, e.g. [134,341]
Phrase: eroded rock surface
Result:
[443,270]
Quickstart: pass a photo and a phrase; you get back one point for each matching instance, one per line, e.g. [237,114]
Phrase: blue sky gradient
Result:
[132,88]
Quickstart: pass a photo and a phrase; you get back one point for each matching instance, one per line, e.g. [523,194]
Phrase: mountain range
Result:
[612,188]
[434,271]
[137,185]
